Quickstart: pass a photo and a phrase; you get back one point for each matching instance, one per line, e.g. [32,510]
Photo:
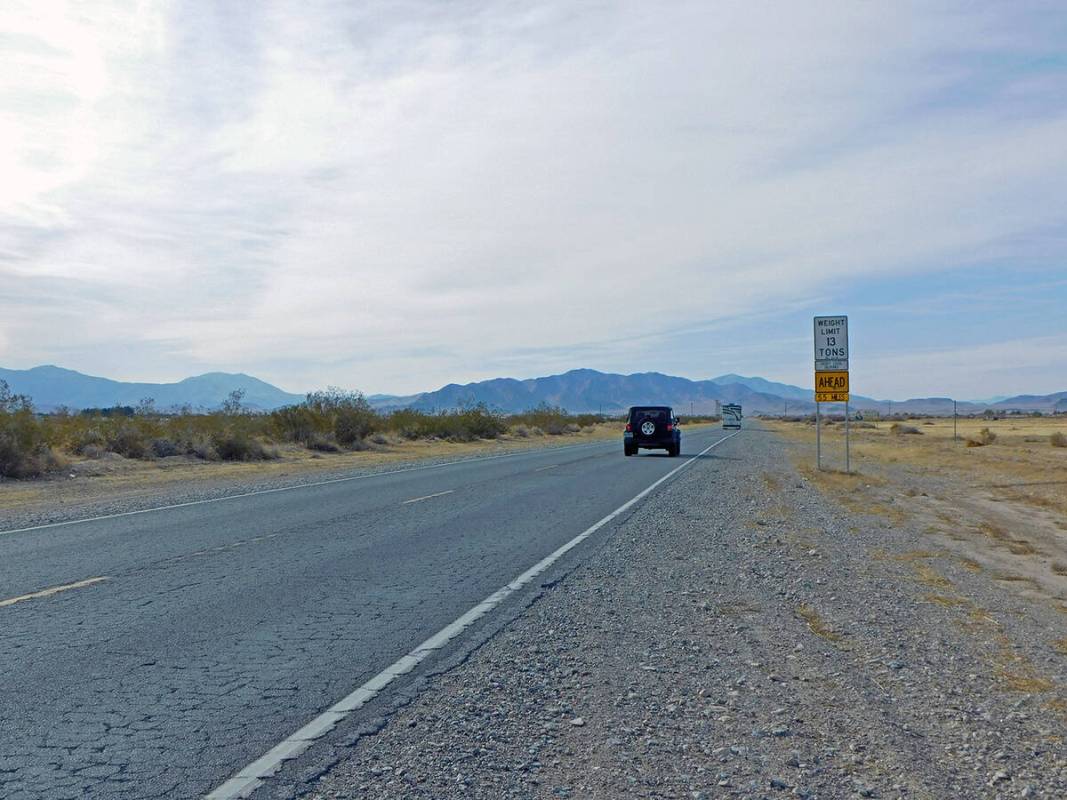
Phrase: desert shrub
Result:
[202,448]
[1058,440]
[237,445]
[129,441]
[863,425]
[163,447]
[24,450]
[551,419]
[904,430]
[380,438]
[354,423]
[408,423]
[86,440]
[349,415]
[521,431]
[300,424]
[572,427]
[983,437]
[93,451]
[476,422]
[465,425]
[322,444]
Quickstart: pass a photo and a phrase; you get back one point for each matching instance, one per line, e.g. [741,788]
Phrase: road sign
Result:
[831,374]
[831,343]
[832,381]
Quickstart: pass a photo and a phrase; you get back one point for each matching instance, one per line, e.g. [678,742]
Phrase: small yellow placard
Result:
[831,387]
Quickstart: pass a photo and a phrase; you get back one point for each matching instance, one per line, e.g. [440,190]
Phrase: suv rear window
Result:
[658,414]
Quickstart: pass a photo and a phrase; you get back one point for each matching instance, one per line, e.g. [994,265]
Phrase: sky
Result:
[391,196]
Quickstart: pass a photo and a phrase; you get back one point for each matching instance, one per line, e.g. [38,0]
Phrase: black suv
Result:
[652,427]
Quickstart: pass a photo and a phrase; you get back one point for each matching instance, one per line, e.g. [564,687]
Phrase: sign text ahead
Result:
[831,386]
[831,343]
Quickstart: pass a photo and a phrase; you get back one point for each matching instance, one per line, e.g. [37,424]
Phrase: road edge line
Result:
[251,777]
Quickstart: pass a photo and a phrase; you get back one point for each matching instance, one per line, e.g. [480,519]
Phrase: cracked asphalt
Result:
[222,627]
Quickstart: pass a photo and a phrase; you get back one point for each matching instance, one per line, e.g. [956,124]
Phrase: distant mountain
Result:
[586,390]
[578,391]
[764,386]
[51,387]
[1034,402]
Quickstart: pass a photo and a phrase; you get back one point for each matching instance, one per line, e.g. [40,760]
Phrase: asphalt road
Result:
[216,629]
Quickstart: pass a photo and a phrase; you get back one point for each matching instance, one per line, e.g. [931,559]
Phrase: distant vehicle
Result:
[731,416]
[652,428]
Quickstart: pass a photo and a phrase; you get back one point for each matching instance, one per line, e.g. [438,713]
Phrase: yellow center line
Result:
[427,497]
[53,590]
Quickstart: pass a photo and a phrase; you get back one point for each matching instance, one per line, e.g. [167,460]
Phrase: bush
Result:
[322,444]
[162,448]
[1058,440]
[129,441]
[904,430]
[203,448]
[300,424]
[239,446]
[354,423]
[466,425]
[24,450]
[984,437]
[88,440]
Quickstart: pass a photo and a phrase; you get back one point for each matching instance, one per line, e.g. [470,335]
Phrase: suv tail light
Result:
[629,427]
[669,427]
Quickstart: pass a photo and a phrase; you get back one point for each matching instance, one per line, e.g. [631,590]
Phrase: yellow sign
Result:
[831,387]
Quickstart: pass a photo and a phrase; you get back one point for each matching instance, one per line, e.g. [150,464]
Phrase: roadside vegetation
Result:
[328,421]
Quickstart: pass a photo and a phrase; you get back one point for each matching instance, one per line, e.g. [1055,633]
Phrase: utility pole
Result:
[955,438]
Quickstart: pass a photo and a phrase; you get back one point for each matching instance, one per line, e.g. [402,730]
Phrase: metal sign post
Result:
[818,438]
[831,376]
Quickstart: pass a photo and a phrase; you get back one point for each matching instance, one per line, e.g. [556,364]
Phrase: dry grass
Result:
[816,624]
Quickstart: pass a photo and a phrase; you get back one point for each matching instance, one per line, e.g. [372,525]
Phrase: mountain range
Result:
[53,387]
[578,391]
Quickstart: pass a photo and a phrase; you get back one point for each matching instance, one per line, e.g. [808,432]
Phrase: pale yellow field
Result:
[1001,508]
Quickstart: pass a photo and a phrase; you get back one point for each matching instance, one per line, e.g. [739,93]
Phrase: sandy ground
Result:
[1000,509]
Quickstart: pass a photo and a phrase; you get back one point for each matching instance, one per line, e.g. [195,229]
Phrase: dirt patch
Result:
[1000,508]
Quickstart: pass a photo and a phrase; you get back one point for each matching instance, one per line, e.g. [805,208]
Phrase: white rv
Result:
[731,416]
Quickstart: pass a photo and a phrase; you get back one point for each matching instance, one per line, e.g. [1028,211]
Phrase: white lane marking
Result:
[53,590]
[550,466]
[251,777]
[427,497]
[365,476]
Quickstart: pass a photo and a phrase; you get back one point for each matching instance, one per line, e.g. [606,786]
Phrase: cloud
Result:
[395,195]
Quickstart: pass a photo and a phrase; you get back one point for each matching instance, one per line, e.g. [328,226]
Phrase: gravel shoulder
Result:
[741,634]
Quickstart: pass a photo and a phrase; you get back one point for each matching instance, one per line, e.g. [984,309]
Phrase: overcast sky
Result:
[393,196]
